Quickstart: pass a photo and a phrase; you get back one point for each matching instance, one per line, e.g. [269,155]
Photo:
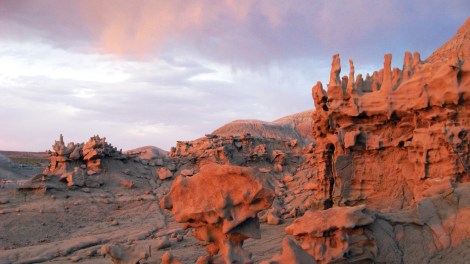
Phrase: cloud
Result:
[160,101]
[244,33]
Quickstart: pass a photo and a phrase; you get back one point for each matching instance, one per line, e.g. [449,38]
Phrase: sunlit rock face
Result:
[391,162]
[397,133]
[335,234]
[221,202]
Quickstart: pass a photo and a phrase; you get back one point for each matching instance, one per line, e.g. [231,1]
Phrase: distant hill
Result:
[16,165]
[296,126]
[148,152]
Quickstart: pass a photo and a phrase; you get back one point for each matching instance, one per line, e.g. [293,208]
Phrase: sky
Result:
[153,72]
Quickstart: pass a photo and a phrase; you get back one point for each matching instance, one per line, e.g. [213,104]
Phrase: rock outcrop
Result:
[336,234]
[411,123]
[78,163]
[284,163]
[398,143]
[221,203]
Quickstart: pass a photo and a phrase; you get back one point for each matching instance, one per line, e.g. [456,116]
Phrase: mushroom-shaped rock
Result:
[336,234]
[221,203]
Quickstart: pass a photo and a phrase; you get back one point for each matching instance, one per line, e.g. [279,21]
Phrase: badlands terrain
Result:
[378,173]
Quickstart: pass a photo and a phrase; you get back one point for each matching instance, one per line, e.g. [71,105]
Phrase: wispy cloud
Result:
[229,31]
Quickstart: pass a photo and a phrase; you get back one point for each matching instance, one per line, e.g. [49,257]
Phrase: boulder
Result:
[221,203]
[336,234]
[164,173]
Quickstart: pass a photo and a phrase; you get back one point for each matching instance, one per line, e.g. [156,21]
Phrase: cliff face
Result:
[397,133]
[396,142]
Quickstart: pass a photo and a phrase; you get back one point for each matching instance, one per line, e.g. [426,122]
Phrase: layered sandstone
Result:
[396,142]
[336,234]
[411,123]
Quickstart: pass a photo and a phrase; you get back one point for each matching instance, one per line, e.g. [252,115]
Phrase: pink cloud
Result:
[230,30]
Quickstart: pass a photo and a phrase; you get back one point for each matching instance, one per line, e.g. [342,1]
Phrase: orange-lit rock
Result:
[221,202]
[413,126]
[336,234]
[399,146]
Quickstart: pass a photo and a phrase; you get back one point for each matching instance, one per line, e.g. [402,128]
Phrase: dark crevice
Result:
[329,176]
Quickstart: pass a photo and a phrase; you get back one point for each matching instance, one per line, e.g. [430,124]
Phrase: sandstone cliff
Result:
[396,142]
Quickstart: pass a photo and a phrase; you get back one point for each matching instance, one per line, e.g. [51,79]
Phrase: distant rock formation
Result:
[148,153]
[77,163]
[293,127]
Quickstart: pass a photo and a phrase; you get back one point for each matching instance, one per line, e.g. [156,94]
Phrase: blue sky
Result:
[154,72]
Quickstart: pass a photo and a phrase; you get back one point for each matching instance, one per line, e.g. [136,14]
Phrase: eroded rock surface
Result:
[221,202]
[78,163]
[336,234]
[398,143]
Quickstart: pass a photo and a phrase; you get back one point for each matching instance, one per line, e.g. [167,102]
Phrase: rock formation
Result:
[90,153]
[279,159]
[221,202]
[398,143]
[336,234]
[77,163]
[414,126]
